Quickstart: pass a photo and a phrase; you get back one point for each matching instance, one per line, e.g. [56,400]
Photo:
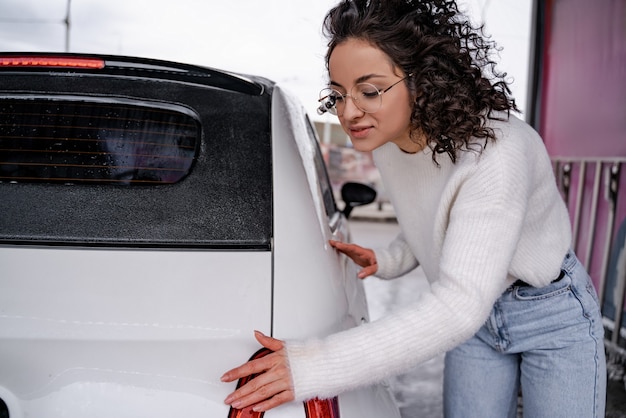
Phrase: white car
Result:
[152,215]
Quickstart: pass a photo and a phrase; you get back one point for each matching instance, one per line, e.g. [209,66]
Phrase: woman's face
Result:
[357,61]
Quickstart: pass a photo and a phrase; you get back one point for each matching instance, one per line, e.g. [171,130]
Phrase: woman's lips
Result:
[359,132]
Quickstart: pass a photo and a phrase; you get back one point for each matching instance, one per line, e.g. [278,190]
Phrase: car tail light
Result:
[322,408]
[313,408]
[65,62]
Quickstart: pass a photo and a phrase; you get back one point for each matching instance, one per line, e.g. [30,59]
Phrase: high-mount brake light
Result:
[313,408]
[58,62]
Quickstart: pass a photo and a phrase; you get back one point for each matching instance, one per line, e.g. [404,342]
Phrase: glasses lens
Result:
[367,97]
[329,99]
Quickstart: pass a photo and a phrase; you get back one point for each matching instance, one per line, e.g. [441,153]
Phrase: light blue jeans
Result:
[548,340]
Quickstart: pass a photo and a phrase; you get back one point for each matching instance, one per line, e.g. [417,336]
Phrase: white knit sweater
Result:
[475,227]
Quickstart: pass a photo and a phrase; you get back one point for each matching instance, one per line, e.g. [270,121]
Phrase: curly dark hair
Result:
[455,83]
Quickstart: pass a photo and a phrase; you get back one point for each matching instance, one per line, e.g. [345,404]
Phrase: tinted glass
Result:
[72,140]
[322,174]
[223,202]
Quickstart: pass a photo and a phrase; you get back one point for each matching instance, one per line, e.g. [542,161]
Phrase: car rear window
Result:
[74,140]
[168,163]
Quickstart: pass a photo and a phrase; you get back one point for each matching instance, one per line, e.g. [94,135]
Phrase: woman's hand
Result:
[272,387]
[364,257]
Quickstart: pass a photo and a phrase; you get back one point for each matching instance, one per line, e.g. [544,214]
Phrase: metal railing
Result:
[597,205]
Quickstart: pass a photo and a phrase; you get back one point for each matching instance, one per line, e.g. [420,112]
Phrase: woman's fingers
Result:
[273,402]
[268,342]
[246,369]
[255,366]
[258,389]
[265,391]
[351,250]
[367,271]
[341,246]
[271,387]
[364,257]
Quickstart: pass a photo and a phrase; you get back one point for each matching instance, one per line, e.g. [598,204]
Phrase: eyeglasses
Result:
[365,96]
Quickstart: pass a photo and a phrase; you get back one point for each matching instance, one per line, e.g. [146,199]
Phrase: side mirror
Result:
[356,194]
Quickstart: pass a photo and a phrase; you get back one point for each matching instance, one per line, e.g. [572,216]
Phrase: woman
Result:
[477,204]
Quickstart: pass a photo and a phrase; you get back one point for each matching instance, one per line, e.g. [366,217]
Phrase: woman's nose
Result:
[351,110]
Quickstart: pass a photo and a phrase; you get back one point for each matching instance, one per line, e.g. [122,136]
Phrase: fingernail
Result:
[228,399]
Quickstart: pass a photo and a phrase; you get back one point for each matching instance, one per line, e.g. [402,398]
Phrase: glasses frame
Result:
[332,109]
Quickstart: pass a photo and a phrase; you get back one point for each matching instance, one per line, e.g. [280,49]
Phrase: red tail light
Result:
[313,408]
[322,408]
[65,62]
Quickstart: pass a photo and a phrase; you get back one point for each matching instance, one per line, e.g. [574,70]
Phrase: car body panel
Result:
[148,331]
[331,306]
[132,301]
[301,234]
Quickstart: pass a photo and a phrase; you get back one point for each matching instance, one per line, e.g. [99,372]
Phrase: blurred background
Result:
[278,39]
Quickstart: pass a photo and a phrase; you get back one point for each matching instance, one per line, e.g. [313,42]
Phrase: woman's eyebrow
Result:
[362,79]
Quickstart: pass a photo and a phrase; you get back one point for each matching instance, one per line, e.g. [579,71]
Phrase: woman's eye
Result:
[369,94]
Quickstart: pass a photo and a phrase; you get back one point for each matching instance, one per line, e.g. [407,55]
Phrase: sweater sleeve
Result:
[395,260]
[483,225]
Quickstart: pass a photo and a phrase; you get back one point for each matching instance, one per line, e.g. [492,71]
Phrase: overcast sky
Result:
[278,39]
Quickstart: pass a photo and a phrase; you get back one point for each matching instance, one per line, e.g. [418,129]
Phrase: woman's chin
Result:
[363,146]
